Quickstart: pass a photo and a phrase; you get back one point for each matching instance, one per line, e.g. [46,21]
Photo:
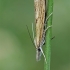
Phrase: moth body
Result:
[40,22]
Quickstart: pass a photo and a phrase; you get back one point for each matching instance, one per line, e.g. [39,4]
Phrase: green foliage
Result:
[16,49]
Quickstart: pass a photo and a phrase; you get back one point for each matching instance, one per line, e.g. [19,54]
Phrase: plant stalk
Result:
[48,35]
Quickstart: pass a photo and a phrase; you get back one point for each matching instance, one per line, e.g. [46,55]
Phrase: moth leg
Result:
[48,18]
[43,54]
[35,42]
[33,37]
[47,28]
[52,37]
[43,42]
[43,39]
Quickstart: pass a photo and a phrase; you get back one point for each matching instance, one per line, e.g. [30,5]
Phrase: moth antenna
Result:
[43,55]
[30,35]
[33,30]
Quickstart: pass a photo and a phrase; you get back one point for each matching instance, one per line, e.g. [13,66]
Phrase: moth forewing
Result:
[39,20]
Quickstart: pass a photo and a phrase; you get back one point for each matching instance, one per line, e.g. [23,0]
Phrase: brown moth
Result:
[40,18]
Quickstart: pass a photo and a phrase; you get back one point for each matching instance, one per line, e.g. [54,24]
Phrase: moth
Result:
[40,18]
[40,27]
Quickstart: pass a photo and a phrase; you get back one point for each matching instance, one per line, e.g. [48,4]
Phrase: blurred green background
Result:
[16,49]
